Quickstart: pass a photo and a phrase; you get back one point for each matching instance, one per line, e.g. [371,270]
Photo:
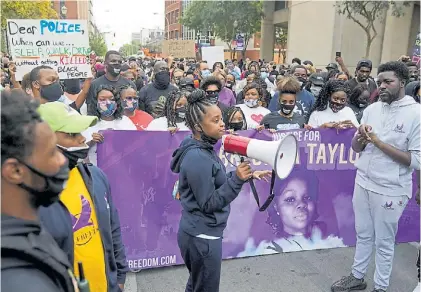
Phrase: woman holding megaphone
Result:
[206,191]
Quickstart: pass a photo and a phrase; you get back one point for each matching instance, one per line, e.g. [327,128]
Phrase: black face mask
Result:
[114,69]
[74,155]
[205,138]
[162,79]
[287,109]
[51,92]
[54,185]
[237,126]
[213,97]
[180,114]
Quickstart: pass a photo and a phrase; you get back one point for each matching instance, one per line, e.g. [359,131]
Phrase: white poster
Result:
[213,54]
[62,44]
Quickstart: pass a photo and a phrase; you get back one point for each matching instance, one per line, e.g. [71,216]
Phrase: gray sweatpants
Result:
[376,223]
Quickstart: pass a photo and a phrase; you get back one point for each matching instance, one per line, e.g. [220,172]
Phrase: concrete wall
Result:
[354,42]
[316,32]
[415,29]
[310,31]
[396,37]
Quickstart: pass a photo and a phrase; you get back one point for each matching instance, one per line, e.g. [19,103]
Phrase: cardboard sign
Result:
[62,44]
[179,48]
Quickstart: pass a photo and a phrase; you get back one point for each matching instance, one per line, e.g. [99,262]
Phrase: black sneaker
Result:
[349,283]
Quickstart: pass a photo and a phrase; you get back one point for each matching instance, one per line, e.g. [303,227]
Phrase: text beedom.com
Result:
[152,262]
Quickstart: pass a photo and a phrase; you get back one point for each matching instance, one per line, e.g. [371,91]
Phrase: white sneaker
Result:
[418,288]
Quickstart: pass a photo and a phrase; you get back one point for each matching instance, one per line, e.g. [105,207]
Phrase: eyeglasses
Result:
[211,92]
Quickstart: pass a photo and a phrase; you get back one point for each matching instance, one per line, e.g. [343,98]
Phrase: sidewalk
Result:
[308,271]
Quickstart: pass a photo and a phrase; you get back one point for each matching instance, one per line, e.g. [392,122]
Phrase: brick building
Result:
[76,9]
[173,29]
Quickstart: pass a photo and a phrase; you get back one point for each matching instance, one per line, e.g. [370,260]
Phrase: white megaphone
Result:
[281,154]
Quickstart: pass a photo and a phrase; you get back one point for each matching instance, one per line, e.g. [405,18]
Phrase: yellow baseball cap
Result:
[62,118]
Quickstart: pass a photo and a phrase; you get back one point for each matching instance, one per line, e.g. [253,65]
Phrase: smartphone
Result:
[338,54]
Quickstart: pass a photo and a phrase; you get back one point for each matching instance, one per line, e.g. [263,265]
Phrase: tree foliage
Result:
[365,14]
[97,43]
[219,17]
[24,10]
[130,49]
[281,39]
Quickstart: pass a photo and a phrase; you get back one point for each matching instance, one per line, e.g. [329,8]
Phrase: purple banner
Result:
[142,184]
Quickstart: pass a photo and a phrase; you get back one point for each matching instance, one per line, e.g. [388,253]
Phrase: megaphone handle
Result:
[254,191]
[271,193]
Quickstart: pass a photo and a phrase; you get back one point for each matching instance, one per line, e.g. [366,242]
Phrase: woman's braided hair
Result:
[173,97]
[197,103]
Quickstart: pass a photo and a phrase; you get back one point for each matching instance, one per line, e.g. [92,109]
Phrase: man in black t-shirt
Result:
[363,72]
[113,62]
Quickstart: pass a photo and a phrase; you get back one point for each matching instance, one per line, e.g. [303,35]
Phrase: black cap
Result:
[365,63]
[317,79]
[186,81]
[307,62]
[132,59]
[332,66]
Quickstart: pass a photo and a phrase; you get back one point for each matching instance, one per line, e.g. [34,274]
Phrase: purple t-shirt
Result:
[226,97]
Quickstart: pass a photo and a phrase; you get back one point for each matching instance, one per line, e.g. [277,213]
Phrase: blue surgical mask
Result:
[107,109]
[251,102]
[205,73]
[264,75]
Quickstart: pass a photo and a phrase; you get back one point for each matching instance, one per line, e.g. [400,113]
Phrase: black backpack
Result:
[39,251]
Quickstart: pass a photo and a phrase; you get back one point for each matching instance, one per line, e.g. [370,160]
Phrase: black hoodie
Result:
[206,190]
[412,89]
[19,273]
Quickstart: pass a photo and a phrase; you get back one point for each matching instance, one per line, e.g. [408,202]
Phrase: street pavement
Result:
[307,271]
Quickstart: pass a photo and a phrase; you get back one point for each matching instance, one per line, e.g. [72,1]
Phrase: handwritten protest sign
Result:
[60,44]
[179,48]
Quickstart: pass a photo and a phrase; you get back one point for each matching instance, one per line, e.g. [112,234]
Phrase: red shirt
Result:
[141,119]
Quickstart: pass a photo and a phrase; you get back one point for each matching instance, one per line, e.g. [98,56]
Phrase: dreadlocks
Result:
[172,99]
[197,103]
[322,101]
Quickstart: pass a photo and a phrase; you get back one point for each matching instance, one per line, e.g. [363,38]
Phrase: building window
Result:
[176,15]
[280,4]
[176,34]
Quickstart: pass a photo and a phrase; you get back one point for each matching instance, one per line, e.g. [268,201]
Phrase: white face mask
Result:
[315,90]
[73,149]
[251,102]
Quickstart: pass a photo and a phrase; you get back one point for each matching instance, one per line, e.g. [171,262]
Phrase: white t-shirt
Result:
[160,124]
[67,101]
[122,124]
[318,118]
[253,115]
